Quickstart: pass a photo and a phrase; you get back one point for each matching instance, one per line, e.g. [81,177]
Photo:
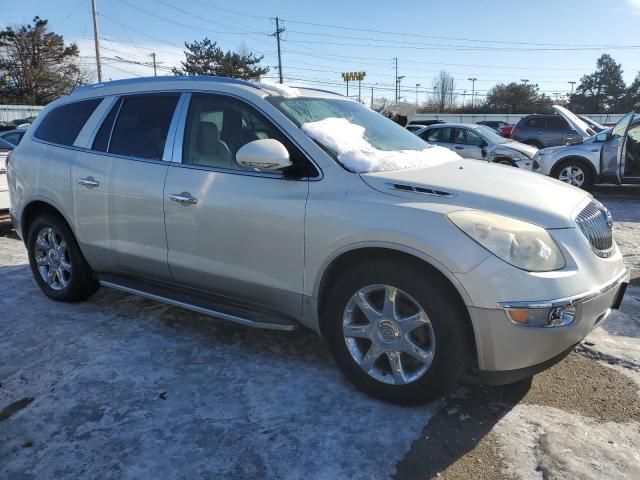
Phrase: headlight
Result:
[519,243]
[549,150]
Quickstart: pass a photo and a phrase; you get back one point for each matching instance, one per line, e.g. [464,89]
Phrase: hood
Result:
[523,148]
[477,185]
[576,123]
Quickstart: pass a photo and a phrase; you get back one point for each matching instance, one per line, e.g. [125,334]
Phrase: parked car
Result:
[494,125]
[13,136]
[5,149]
[426,123]
[593,125]
[611,156]
[506,130]
[276,207]
[413,128]
[479,142]
[546,131]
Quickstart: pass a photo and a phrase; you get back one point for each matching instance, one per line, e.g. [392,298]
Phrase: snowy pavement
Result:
[122,387]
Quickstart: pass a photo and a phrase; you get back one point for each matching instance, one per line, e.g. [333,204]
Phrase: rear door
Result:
[441,136]
[118,186]
[611,154]
[5,148]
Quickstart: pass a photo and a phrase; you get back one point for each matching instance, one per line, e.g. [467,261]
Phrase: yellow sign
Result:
[350,76]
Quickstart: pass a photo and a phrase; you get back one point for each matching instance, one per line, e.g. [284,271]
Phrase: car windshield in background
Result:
[490,135]
[359,138]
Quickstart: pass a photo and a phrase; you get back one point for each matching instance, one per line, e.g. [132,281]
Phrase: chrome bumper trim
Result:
[565,302]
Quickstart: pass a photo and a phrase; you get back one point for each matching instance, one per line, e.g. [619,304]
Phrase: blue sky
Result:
[315,54]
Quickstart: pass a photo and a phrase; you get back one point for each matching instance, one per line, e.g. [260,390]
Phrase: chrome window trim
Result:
[181,124]
[120,101]
[575,299]
[179,140]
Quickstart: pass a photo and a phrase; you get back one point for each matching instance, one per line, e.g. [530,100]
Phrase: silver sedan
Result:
[479,142]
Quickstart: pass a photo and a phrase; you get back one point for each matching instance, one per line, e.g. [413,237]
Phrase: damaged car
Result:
[611,156]
[479,142]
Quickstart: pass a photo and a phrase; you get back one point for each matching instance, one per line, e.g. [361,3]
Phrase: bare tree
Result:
[444,87]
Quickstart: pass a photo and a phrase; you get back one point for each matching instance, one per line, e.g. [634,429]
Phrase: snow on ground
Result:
[123,387]
[545,442]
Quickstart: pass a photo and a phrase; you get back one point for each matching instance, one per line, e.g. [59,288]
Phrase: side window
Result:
[557,123]
[442,135]
[142,125]
[63,124]
[535,122]
[217,127]
[14,137]
[466,137]
[101,141]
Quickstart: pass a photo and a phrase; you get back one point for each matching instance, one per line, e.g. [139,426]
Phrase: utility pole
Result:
[473,91]
[395,59]
[464,98]
[96,39]
[417,85]
[277,35]
[371,98]
[524,80]
[399,95]
[155,72]
[572,84]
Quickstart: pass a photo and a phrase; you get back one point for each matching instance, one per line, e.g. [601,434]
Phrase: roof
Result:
[140,84]
[439,125]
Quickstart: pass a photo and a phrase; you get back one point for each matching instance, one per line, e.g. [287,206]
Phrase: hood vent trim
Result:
[403,187]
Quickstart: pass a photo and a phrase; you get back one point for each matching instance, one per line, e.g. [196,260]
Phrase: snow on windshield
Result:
[347,140]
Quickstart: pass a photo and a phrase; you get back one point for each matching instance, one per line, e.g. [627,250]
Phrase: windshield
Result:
[358,138]
[490,135]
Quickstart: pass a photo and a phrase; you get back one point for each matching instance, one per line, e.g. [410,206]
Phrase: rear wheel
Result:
[56,261]
[397,332]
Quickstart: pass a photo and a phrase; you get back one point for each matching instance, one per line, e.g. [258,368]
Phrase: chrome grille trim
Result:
[596,224]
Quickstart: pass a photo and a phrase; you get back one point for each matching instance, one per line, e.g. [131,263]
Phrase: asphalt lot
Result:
[122,387]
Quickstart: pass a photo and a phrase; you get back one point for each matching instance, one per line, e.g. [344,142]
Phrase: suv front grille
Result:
[596,224]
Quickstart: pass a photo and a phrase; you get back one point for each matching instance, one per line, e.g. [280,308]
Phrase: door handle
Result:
[89,182]
[183,198]
[459,148]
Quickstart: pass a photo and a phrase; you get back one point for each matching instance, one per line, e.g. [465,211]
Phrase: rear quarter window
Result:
[63,124]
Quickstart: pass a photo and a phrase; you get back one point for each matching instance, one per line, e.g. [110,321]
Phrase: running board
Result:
[212,305]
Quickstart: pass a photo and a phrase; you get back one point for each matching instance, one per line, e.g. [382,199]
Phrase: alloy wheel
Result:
[388,334]
[572,175]
[52,258]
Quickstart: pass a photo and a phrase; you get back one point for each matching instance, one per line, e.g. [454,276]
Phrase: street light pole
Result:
[417,85]
[399,92]
[572,84]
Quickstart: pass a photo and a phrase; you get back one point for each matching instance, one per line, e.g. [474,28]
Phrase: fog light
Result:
[561,316]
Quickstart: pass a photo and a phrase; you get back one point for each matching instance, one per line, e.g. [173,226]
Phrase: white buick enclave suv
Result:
[276,207]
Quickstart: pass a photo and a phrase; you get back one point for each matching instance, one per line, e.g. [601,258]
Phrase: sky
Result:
[546,42]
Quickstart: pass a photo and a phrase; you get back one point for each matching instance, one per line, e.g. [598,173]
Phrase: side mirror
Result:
[602,137]
[266,155]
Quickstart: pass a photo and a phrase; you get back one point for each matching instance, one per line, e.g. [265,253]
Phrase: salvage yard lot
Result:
[123,387]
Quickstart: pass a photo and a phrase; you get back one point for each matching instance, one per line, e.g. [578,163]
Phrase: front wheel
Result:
[56,261]
[574,173]
[397,332]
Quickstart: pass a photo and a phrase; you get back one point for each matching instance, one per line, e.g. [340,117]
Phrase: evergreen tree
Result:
[206,58]
[602,91]
[36,66]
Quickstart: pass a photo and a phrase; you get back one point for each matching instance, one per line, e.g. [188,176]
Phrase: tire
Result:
[445,335]
[574,172]
[505,161]
[63,275]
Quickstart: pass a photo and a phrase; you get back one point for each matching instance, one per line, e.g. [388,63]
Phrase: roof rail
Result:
[135,81]
[318,90]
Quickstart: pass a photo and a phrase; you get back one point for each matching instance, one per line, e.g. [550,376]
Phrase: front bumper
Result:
[508,352]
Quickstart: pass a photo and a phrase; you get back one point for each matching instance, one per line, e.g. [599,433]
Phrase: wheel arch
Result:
[35,207]
[371,253]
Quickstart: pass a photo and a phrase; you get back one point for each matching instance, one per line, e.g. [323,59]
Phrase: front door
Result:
[611,154]
[468,144]
[118,187]
[631,155]
[234,231]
